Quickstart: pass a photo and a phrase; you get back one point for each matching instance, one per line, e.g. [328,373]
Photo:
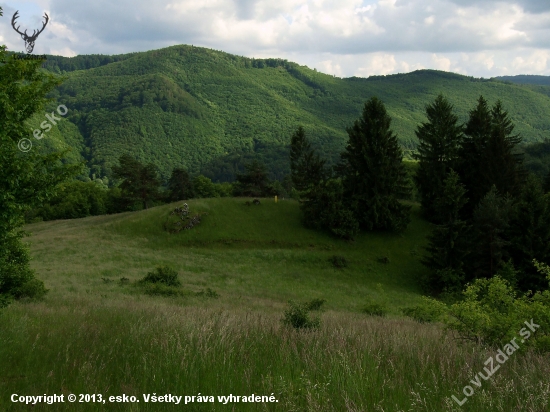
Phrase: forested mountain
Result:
[206,110]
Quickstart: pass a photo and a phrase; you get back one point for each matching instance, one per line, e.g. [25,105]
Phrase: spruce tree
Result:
[489,242]
[372,171]
[487,155]
[529,235]
[472,154]
[503,167]
[439,141]
[448,243]
[306,168]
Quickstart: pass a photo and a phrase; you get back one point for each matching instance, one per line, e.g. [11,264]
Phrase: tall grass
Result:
[351,363]
[94,335]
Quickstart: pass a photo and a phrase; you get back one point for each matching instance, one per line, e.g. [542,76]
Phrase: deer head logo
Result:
[29,40]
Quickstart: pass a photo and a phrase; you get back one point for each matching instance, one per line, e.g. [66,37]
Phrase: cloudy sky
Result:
[481,38]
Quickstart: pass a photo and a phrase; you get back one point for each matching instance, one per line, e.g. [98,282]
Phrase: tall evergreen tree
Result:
[490,225]
[530,235]
[254,182]
[373,173]
[487,154]
[472,153]
[140,182]
[503,167]
[306,168]
[439,141]
[448,243]
[180,186]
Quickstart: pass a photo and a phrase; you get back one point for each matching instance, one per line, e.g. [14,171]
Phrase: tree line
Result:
[490,215]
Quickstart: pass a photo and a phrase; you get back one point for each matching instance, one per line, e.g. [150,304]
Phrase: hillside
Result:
[526,79]
[97,332]
[208,110]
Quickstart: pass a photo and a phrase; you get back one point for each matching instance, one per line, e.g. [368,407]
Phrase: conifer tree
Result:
[448,243]
[254,182]
[530,234]
[439,141]
[487,154]
[180,186]
[372,171]
[306,168]
[472,154]
[140,182]
[490,225]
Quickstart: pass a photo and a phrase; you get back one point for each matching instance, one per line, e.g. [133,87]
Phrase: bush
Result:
[491,313]
[34,289]
[17,279]
[297,316]
[375,309]
[429,310]
[163,274]
[338,262]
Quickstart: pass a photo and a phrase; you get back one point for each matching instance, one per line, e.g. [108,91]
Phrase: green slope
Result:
[196,107]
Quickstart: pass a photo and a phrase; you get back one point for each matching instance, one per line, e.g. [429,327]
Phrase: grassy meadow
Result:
[94,334]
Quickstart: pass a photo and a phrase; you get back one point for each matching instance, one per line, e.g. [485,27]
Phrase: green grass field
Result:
[95,335]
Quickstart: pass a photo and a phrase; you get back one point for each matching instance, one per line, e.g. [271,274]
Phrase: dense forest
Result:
[211,112]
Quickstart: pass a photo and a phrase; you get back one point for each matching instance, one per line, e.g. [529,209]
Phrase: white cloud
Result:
[342,37]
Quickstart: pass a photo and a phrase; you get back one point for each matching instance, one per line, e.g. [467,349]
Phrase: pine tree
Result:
[530,235]
[307,169]
[439,142]
[372,171]
[448,243]
[180,186]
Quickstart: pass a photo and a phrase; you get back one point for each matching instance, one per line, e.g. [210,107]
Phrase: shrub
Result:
[429,310]
[375,309]
[297,316]
[162,274]
[314,304]
[338,262]
[491,313]
[34,289]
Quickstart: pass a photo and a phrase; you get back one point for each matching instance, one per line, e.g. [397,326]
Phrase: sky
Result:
[480,38]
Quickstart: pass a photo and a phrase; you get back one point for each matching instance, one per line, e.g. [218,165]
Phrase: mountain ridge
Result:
[202,109]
